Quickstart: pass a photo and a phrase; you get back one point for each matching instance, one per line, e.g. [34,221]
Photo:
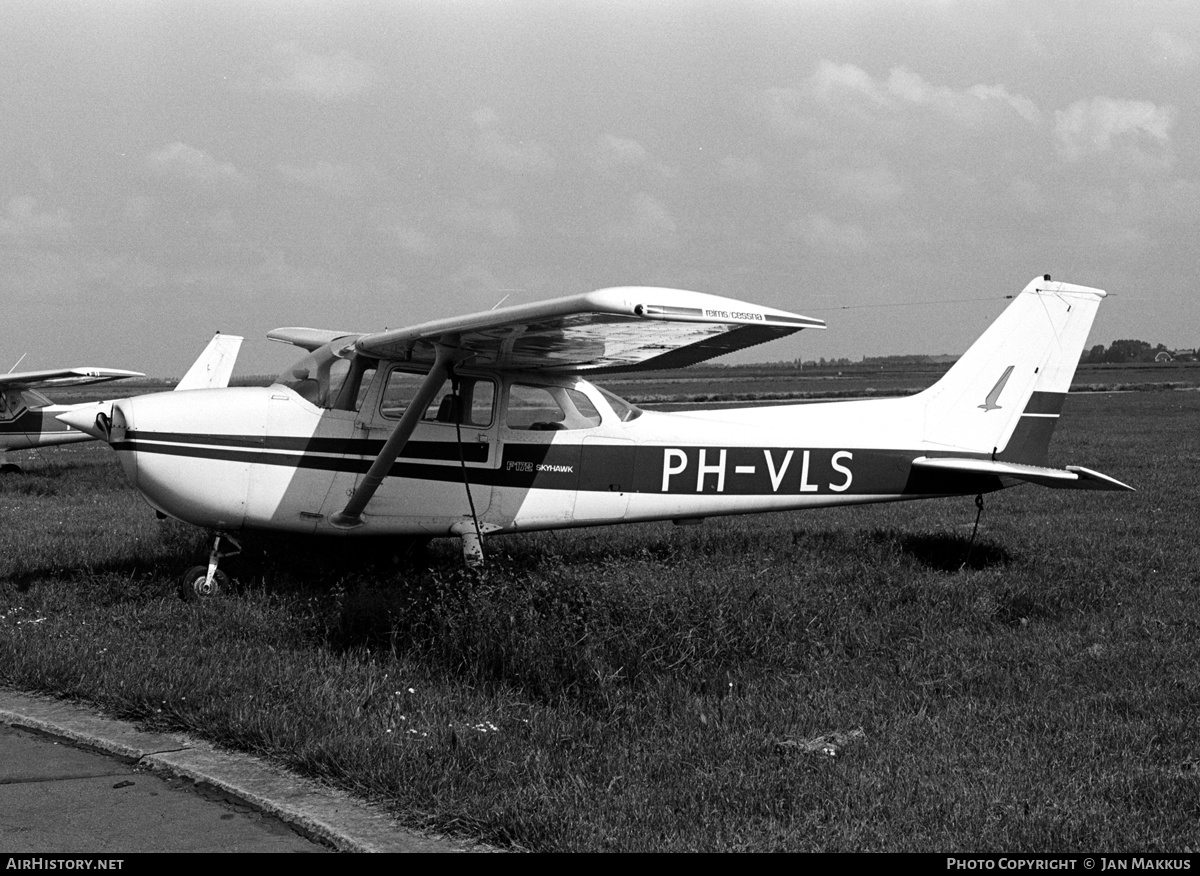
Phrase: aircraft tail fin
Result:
[1004,396]
[215,365]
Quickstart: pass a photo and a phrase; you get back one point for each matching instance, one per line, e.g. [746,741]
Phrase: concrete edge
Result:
[329,815]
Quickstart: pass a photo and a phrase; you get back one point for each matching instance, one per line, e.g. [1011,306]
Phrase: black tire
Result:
[193,586]
[9,468]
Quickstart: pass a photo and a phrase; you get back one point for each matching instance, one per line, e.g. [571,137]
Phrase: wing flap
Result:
[1073,477]
[621,329]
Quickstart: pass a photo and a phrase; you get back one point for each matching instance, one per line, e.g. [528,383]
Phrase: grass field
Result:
[835,680]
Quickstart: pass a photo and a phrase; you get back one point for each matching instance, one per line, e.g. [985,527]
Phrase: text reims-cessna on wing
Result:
[485,424]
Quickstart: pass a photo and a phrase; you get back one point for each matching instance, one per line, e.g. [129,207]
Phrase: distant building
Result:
[1176,356]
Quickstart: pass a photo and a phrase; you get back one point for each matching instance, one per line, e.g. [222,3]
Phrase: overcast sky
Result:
[170,169]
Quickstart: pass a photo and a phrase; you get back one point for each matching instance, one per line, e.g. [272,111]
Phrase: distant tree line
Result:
[1118,352]
[1130,350]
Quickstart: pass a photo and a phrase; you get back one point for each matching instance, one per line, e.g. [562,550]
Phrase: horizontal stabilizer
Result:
[215,365]
[1073,477]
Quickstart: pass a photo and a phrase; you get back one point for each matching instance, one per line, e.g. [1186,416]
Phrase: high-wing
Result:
[63,377]
[307,338]
[621,329]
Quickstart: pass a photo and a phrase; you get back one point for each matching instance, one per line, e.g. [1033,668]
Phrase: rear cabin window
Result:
[549,409]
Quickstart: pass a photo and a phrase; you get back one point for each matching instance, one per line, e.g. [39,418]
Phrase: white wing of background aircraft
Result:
[29,419]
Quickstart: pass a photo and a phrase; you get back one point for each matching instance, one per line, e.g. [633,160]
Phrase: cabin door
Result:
[448,463]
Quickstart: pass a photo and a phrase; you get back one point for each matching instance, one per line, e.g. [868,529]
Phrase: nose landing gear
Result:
[208,582]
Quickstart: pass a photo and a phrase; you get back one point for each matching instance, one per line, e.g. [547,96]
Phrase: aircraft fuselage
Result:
[38,427]
[270,459]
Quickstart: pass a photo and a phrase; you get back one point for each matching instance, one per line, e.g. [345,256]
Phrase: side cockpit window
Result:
[471,405]
[549,409]
[12,405]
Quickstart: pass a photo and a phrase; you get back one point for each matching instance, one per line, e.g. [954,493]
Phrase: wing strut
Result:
[351,516]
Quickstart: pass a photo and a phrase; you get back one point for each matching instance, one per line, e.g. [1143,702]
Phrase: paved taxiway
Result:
[72,781]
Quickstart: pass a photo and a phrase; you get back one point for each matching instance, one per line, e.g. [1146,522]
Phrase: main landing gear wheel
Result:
[195,584]
[11,468]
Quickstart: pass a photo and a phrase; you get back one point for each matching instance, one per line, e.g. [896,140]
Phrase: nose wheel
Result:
[198,584]
[208,582]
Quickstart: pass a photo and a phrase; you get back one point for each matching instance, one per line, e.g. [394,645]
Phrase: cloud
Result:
[1171,51]
[498,222]
[849,92]
[870,185]
[323,78]
[819,232]
[647,225]
[1090,127]
[619,153]
[21,218]
[969,106]
[833,81]
[410,239]
[514,156]
[474,283]
[342,180]
[739,169]
[184,163]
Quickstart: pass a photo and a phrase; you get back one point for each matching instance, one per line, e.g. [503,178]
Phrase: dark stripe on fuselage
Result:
[617,467]
[355,464]
[472,451]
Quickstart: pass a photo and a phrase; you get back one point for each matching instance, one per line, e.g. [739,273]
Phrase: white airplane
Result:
[28,419]
[484,424]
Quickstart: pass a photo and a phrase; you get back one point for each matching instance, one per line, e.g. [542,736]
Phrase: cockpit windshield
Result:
[330,377]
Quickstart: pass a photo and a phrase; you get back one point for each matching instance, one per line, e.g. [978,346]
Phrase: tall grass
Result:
[851,679]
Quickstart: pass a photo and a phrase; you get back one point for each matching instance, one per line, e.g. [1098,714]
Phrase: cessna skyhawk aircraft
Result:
[29,419]
[484,424]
